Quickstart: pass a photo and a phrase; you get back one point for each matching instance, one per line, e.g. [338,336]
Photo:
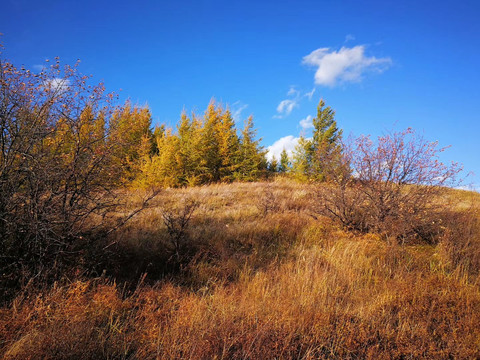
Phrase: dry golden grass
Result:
[279,284]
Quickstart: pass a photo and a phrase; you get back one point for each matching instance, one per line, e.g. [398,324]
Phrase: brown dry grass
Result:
[279,284]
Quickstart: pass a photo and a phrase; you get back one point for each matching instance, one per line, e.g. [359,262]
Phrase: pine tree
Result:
[202,151]
[185,129]
[189,154]
[302,159]
[326,140]
[252,156]
[312,155]
[128,127]
[273,165]
[228,146]
[99,131]
[158,133]
[284,165]
[151,171]
[167,168]
[85,127]
[211,161]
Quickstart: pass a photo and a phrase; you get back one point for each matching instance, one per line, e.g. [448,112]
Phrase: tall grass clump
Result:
[356,298]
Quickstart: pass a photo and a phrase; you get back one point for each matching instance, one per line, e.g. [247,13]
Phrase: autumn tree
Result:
[273,165]
[53,167]
[202,151]
[166,168]
[228,146]
[312,154]
[130,138]
[284,165]
[252,161]
[211,161]
[187,154]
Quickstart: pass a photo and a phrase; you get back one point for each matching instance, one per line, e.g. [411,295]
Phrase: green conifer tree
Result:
[273,165]
[302,159]
[325,142]
[284,165]
[312,155]
[252,161]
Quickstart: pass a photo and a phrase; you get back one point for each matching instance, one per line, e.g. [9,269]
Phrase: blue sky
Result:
[379,64]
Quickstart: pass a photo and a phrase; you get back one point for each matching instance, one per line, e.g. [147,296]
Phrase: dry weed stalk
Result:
[268,200]
[177,222]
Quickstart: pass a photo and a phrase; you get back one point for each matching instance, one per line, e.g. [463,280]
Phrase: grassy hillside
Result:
[257,273]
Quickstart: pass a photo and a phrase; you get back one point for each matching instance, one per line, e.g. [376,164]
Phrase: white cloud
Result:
[307,122]
[469,187]
[286,106]
[349,37]
[237,108]
[293,91]
[287,142]
[58,85]
[310,94]
[39,68]
[345,65]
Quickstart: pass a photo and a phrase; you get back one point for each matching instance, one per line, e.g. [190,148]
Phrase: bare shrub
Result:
[267,201]
[390,186]
[177,222]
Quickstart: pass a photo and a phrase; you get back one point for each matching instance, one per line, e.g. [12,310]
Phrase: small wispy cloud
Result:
[344,65]
[236,108]
[287,142]
[39,68]
[286,107]
[57,84]
[293,91]
[349,37]
[310,94]
[307,123]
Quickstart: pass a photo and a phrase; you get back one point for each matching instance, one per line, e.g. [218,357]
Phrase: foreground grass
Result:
[265,280]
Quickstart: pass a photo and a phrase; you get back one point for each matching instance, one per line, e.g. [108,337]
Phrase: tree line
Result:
[199,150]
[210,148]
